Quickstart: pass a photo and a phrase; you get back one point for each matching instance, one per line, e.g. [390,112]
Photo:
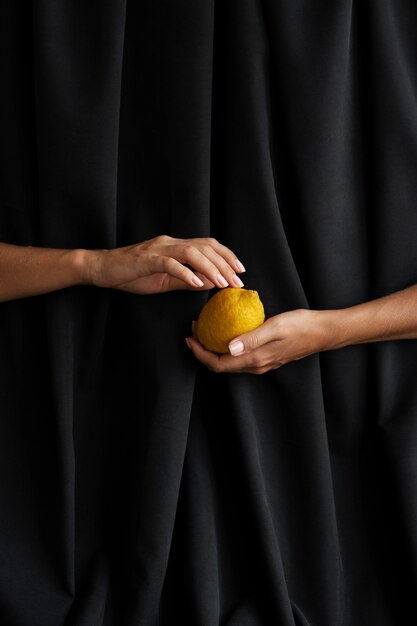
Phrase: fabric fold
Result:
[139,487]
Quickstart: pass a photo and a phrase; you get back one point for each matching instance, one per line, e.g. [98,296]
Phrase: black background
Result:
[288,131]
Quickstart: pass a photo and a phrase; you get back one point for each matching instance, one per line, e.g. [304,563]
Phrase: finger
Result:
[207,283]
[227,254]
[254,339]
[170,283]
[263,369]
[159,283]
[168,265]
[224,363]
[191,255]
[223,266]
[210,359]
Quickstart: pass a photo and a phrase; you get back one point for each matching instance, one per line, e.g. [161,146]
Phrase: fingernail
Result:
[187,342]
[236,281]
[222,281]
[197,282]
[240,266]
[236,347]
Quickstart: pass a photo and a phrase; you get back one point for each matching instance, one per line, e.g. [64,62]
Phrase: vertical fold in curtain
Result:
[78,55]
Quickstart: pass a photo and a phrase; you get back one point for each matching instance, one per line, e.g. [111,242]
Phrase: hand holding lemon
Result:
[231,336]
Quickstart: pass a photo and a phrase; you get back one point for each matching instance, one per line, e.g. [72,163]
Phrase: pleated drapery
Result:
[136,487]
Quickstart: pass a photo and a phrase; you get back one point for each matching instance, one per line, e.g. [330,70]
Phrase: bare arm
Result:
[391,317]
[27,271]
[153,266]
[293,335]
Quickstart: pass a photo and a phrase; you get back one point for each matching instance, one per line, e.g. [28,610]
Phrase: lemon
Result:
[229,313]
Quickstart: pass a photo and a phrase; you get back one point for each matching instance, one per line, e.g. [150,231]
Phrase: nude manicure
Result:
[197,282]
[222,281]
[236,348]
[237,282]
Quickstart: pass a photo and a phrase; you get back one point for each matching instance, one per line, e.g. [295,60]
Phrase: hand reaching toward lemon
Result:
[153,266]
[164,264]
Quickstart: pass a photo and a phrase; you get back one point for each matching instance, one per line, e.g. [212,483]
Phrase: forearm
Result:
[388,318]
[29,271]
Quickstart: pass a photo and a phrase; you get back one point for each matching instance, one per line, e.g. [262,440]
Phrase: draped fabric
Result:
[137,488]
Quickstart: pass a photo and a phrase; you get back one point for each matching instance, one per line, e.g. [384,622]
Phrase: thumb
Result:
[253,339]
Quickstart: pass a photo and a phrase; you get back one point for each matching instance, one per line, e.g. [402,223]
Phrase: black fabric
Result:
[286,129]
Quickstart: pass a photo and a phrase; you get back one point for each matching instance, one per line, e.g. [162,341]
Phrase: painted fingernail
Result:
[240,266]
[197,281]
[222,281]
[236,347]
[236,281]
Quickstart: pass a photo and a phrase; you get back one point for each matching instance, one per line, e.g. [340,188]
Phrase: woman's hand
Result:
[160,264]
[152,266]
[293,335]
[286,337]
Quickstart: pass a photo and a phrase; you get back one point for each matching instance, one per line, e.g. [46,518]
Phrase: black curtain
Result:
[136,487]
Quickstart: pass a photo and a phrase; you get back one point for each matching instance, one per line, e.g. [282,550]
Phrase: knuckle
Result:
[144,247]
[169,263]
[217,368]
[257,362]
[190,250]
[140,253]
[253,341]
[151,256]
[162,238]
[251,362]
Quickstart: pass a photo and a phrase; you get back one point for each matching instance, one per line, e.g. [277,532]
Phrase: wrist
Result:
[342,327]
[81,262]
[324,329]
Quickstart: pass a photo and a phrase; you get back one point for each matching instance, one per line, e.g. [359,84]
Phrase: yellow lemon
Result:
[229,313]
